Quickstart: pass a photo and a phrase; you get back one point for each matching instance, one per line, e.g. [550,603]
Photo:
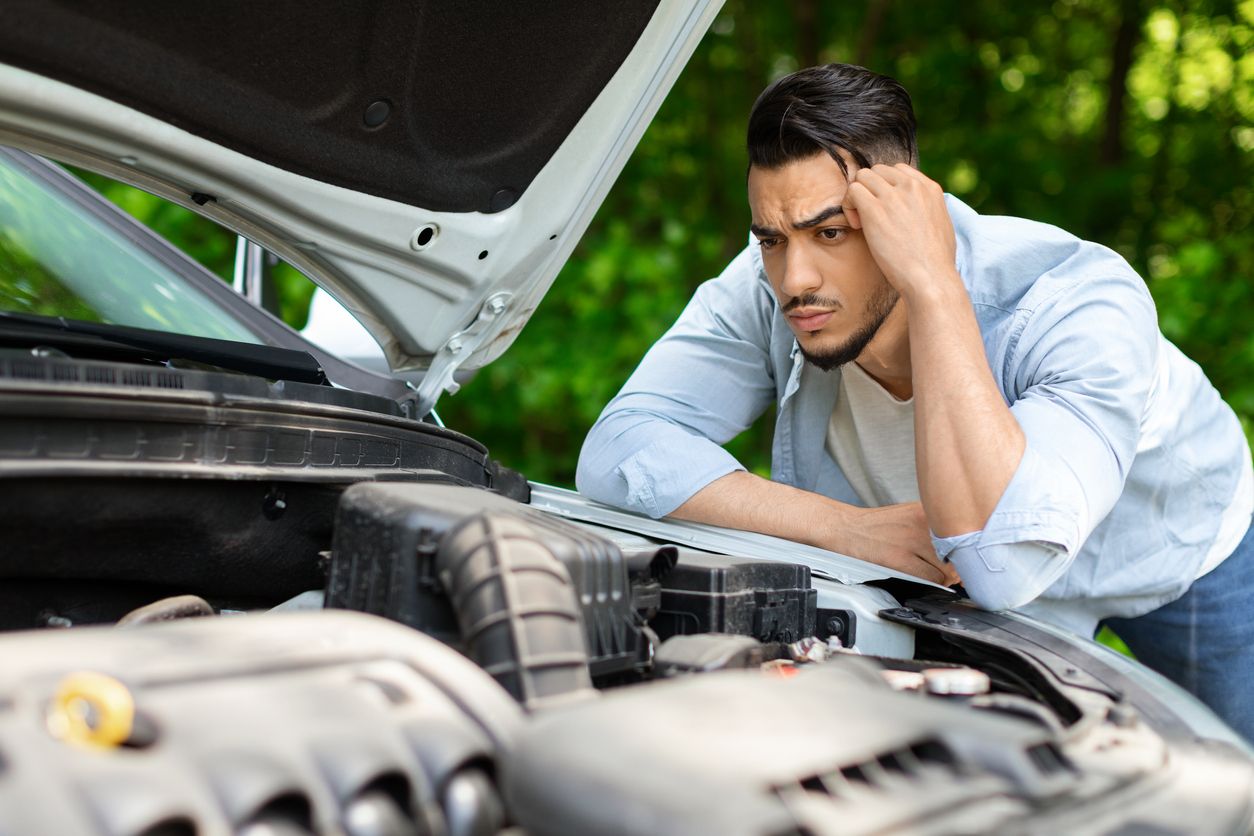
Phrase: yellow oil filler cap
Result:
[92,709]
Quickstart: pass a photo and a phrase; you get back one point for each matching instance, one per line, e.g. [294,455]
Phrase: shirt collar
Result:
[961,215]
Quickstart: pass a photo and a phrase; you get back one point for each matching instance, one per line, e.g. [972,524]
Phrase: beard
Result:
[879,306]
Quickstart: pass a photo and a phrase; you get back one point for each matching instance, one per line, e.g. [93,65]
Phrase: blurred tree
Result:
[1127,122]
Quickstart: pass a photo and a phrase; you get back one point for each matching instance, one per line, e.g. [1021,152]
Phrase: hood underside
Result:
[429,104]
[430,164]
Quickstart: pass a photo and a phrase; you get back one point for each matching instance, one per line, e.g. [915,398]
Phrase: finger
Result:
[909,171]
[929,572]
[943,569]
[924,550]
[912,564]
[948,575]
[872,180]
[890,173]
[852,215]
[863,202]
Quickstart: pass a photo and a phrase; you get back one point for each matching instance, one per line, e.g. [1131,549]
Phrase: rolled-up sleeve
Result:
[1082,362]
[707,379]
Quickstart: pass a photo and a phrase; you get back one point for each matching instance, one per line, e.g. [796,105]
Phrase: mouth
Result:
[810,320]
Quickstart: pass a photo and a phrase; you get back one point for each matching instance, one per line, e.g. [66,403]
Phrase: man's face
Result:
[828,285]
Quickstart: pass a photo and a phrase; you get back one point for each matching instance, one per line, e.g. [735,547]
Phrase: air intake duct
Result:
[546,607]
[516,607]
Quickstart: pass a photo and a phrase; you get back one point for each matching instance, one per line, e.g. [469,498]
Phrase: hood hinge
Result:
[454,352]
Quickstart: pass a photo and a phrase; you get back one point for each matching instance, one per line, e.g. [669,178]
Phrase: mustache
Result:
[812,300]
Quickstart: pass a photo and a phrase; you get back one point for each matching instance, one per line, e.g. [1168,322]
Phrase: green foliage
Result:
[1015,117]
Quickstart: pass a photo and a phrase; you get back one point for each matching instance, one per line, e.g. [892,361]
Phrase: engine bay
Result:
[233,611]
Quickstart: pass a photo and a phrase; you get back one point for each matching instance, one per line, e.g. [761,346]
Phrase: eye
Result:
[768,243]
[833,233]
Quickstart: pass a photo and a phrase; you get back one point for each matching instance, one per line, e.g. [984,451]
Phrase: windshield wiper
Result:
[123,342]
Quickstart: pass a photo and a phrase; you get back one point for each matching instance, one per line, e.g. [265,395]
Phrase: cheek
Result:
[859,249]
[774,273]
[853,265]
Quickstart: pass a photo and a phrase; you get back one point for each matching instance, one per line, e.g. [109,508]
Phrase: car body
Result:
[195,496]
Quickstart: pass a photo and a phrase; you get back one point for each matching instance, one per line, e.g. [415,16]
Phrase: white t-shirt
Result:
[871,438]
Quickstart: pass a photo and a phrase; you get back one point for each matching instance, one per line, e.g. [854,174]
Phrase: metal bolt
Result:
[454,345]
[495,306]
[835,625]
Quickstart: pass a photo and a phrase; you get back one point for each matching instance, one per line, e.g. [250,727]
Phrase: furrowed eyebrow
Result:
[808,223]
[829,212]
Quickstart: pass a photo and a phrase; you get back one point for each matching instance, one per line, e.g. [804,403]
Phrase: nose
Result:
[801,273]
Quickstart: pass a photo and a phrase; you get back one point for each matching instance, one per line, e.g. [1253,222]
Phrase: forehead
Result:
[796,190]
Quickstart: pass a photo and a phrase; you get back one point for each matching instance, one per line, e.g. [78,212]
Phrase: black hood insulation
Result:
[454,107]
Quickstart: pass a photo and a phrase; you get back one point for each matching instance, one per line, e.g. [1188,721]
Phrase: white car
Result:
[248,586]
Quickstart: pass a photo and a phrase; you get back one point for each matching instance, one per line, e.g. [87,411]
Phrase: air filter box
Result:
[388,535]
[706,593]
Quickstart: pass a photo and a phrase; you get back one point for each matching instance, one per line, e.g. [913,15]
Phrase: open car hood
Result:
[431,165]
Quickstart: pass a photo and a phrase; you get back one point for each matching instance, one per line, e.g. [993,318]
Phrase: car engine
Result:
[244,606]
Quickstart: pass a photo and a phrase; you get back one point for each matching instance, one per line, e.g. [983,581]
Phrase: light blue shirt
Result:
[1132,457]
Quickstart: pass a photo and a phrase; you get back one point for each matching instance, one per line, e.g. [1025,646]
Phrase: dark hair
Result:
[831,108]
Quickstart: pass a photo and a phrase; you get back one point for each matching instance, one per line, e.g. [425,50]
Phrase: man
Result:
[955,392]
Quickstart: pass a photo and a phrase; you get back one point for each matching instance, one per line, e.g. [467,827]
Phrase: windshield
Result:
[58,259]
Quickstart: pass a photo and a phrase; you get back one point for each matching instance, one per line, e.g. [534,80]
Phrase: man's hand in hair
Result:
[903,217]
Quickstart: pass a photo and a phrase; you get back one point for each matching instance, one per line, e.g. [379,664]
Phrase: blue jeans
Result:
[1204,641]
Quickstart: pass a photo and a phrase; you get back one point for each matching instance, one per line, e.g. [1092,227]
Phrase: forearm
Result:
[895,536]
[967,443]
[750,503]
